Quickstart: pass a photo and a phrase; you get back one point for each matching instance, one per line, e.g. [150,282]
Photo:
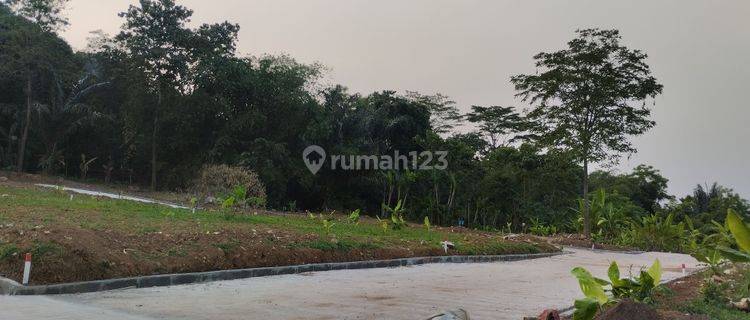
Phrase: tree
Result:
[585,99]
[26,53]
[45,13]
[170,54]
[645,186]
[65,112]
[444,115]
[496,122]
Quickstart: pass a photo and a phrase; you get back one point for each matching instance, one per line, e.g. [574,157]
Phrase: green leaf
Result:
[734,255]
[646,281]
[585,309]
[614,274]
[589,286]
[655,272]
[739,229]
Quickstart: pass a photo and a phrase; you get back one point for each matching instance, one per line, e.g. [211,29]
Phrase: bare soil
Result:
[90,241]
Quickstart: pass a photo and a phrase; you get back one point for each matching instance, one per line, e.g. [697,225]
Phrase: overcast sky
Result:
[699,50]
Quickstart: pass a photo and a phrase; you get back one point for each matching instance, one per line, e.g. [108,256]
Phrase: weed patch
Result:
[8,251]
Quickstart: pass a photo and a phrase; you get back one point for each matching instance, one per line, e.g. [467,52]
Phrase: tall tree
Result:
[45,13]
[64,112]
[170,53]
[444,115]
[585,98]
[496,122]
[27,51]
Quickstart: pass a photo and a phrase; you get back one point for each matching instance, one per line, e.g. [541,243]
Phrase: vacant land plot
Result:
[78,238]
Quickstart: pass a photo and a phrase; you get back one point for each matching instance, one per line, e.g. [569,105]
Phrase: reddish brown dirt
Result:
[683,290]
[577,240]
[84,245]
[74,254]
[628,310]
[568,240]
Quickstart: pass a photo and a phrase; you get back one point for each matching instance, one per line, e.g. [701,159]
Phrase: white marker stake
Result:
[683,269]
[27,269]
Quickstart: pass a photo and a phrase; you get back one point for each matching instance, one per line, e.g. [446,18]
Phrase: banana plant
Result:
[706,251]
[354,217]
[741,233]
[397,214]
[595,296]
[595,290]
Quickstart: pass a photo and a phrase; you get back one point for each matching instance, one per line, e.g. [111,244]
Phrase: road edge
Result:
[10,287]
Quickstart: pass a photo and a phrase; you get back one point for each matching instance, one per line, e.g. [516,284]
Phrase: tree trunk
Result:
[153,152]
[154,135]
[586,205]
[25,134]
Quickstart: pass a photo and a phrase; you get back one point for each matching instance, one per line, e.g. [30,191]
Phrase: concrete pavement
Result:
[500,290]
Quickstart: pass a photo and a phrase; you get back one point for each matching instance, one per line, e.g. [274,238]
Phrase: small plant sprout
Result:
[327,226]
[193,203]
[354,217]
[383,224]
[228,202]
[427,223]
[397,214]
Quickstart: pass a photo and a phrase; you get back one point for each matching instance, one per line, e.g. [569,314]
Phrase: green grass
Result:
[715,311]
[227,246]
[54,207]
[7,251]
[714,296]
[45,248]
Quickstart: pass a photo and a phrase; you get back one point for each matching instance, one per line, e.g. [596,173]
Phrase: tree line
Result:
[154,103]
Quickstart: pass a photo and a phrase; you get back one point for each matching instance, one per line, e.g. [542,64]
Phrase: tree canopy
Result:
[165,97]
[590,98]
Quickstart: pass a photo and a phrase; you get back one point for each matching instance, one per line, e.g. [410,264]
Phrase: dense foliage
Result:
[159,101]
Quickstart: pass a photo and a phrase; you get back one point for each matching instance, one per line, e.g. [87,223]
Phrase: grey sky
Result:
[468,49]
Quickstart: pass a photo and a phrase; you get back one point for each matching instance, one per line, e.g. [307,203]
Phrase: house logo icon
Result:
[314,158]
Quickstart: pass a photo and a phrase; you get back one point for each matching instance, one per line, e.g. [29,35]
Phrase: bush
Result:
[657,233]
[223,181]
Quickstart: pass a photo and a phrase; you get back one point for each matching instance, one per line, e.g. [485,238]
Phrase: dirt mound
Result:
[628,310]
[74,254]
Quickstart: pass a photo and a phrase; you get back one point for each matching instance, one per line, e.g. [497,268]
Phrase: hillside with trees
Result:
[166,96]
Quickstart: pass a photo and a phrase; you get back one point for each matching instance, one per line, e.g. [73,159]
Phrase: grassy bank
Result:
[87,238]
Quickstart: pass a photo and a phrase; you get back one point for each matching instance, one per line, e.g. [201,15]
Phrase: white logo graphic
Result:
[314,157]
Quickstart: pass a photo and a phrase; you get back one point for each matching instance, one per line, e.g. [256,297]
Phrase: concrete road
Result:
[501,290]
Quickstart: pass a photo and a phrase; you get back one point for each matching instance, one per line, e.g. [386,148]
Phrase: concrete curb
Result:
[10,287]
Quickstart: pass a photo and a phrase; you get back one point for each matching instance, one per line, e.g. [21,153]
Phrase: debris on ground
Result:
[743,304]
[458,314]
[447,245]
[629,310]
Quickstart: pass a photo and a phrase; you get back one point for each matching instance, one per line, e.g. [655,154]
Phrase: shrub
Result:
[539,229]
[223,181]
[657,233]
